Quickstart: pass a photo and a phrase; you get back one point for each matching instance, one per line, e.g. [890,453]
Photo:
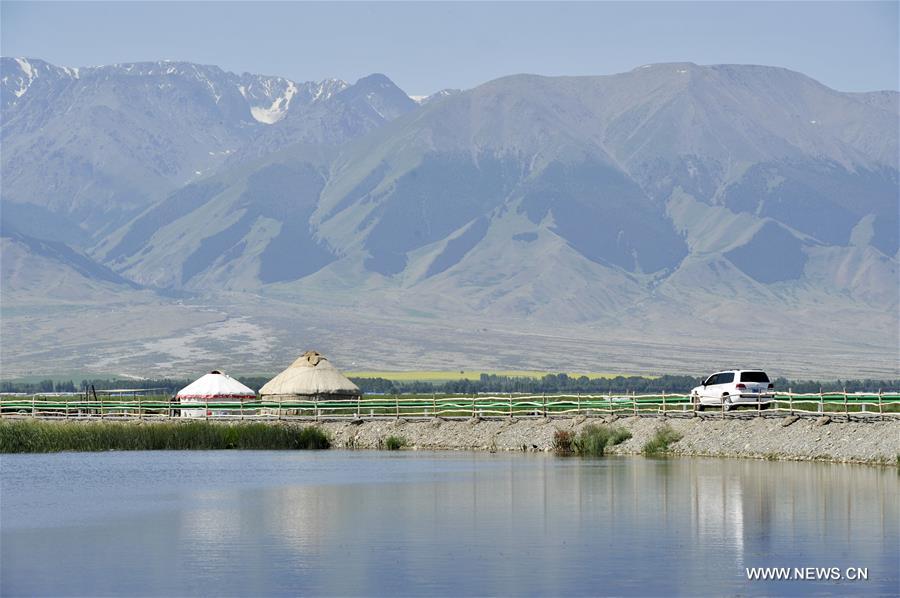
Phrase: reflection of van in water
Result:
[215,387]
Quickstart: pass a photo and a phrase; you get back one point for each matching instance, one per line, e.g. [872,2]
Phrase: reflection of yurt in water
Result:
[214,387]
[311,376]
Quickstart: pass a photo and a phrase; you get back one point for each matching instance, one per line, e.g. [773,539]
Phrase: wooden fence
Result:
[879,405]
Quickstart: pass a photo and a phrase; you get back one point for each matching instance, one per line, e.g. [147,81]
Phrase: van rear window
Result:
[725,378]
[754,377]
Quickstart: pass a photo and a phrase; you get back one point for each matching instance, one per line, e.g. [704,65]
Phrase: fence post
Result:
[880,409]
[544,396]
[634,403]
[578,410]
[33,411]
[397,405]
[316,405]
[821,401]
[510,404]
[609,400]
[846,409]
[206,409]
[101,404]
[359,405]
[790,401]
[664,403]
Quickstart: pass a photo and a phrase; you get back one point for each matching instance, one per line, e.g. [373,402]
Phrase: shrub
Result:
[593,439]
[394,443]
[562,441]
[661,440]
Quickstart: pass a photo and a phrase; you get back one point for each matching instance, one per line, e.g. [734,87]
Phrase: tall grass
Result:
[593,439]
[32,436]
[394,443]
[661,440]
[563,441]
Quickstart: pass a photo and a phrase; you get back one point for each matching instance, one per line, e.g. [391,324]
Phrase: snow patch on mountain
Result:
[25,82]
[21,74]
[277,109]
[327,88]
[438,95]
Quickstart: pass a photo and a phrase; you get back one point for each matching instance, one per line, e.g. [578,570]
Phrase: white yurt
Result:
[311,376]
[214,387]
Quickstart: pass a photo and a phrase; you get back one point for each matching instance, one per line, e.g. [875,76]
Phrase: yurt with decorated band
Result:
[201,397]
[311,376]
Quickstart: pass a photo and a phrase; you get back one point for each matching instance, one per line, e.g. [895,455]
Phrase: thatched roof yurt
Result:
[214,387]
[312,375]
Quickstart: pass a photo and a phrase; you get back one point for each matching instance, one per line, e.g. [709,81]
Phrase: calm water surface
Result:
[350,523]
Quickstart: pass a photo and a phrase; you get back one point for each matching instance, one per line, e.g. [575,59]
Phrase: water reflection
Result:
[363,523]
[718,510]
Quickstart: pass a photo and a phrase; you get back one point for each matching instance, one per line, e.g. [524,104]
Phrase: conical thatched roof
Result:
[310,375]
[216,385]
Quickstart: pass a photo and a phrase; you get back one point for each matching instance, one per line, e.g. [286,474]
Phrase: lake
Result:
[388,523]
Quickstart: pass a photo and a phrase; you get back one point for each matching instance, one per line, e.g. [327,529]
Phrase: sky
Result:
[425,47]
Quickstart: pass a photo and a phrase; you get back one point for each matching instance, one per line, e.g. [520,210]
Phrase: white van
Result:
[734,387]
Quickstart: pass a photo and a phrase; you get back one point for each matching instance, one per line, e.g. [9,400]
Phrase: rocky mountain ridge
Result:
[666,200]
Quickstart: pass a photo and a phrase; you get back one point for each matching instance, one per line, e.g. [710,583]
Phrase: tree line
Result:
[563,383]
[487,383]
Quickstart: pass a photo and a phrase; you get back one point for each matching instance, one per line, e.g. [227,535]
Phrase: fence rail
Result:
[850,405]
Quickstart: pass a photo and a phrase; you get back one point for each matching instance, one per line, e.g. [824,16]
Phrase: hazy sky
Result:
[424,47]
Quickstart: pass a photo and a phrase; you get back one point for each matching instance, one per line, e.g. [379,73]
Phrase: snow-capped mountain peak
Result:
[427,99]
[17,76]
[327,88]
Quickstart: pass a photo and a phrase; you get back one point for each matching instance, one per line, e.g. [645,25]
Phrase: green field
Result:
[452,376]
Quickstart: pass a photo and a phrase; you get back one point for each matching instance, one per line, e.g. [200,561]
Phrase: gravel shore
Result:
[782,438]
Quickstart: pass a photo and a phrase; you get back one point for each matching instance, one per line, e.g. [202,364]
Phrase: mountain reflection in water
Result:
[351,523]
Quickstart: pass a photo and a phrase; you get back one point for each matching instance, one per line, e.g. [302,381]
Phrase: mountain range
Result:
[675,217]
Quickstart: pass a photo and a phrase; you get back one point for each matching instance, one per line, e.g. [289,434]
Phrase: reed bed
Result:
[32,436]
[593,439]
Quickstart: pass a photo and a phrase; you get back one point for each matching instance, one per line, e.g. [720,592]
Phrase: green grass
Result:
[31,436]
[593,439]
[394,443]
[661,440]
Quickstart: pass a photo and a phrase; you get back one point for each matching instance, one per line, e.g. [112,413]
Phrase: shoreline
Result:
[782,438]
[871,442]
